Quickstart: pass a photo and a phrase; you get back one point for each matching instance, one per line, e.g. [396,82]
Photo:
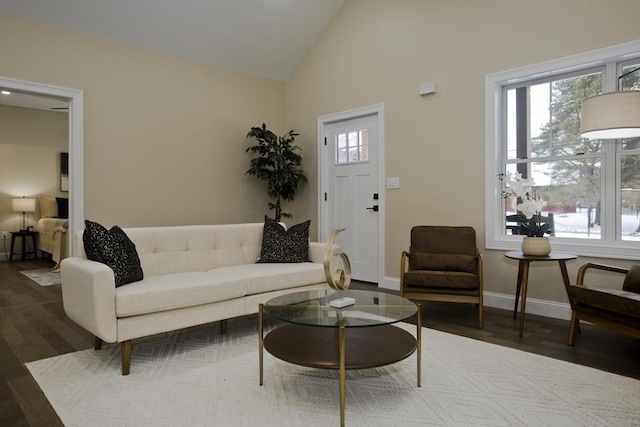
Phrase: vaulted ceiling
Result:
[266,38]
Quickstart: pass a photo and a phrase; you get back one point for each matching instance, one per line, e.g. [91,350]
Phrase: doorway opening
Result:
[76,144]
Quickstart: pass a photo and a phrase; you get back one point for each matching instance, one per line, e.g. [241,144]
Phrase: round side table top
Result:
[553,256]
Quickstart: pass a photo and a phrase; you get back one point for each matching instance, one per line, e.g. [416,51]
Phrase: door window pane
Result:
[352,147]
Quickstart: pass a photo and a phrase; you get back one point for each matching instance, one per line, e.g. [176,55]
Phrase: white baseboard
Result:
[553,309]
[556,310]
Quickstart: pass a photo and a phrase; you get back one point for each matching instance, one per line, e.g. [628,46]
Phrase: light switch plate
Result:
[393,182]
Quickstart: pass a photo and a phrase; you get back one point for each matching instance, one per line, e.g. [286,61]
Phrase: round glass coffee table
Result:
[358,336]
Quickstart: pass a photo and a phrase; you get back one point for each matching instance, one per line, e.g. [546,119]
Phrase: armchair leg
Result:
[97,343]
[125,349]
[573,329]
[480,317]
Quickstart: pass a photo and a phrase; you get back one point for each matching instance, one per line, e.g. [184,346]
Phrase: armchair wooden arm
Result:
[616,309]
[583,270]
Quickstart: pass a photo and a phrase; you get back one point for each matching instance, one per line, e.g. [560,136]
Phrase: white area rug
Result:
[196,377]
[43,276]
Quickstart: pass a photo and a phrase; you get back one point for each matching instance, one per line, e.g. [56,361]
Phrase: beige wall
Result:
[164,137]
[381,51]
[30,145]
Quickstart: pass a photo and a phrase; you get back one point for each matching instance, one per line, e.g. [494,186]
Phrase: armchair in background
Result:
[617,309]
[444,265]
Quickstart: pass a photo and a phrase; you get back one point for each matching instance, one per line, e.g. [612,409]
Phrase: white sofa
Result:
[192,275]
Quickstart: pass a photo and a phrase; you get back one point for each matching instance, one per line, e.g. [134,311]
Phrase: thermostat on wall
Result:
[427,89]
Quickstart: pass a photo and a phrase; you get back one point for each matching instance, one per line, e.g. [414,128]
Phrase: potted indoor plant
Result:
[276,162]
[530,205]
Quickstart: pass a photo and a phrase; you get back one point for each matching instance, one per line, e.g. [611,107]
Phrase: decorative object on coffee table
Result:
[340,279]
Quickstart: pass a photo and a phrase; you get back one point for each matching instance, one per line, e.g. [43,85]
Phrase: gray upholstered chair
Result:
[444,265]
[617,309]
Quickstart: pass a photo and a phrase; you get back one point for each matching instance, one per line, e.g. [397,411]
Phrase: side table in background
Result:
[523,276]
[24,235]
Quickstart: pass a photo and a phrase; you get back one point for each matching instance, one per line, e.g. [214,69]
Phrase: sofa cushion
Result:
[440,280]
[180,290]
[186,248]
[113,248]
[614,300]
[284,246]
[442,262]
[261,278]
[173,291]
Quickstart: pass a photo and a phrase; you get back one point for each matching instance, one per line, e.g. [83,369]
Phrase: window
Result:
[591,188]
[352,147]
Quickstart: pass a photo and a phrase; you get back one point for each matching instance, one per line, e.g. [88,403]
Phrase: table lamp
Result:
[23,205]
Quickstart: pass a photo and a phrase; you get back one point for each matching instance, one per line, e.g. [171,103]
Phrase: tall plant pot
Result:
[537,246]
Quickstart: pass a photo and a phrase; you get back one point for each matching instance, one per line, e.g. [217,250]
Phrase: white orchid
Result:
[530,203]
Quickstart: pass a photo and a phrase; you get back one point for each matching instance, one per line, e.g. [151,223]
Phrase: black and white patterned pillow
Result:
[280,245]
[113,248]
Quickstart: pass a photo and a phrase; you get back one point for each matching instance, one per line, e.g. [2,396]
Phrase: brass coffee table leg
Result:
[342,351]
[260,339]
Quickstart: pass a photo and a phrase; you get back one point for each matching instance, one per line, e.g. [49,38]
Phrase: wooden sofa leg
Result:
[573,329]
[97,343]
[223,326]
[125,349]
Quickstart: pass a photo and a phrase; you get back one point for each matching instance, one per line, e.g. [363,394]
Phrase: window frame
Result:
[495,148]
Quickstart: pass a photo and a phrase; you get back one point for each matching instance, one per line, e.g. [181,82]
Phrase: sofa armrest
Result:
[89,296]
[316,251]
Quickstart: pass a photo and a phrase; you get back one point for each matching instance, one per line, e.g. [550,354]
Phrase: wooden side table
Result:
[24,235]
[523,276]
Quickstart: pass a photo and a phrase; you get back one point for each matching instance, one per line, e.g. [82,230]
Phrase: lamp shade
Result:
[611,115]
[23,205]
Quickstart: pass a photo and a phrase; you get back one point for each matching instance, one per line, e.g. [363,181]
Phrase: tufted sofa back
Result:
[179,249]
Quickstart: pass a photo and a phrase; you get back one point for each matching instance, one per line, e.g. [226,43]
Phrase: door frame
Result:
[323,184]
[76,145]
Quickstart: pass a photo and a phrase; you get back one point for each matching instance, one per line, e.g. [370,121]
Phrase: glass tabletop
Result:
[312,308]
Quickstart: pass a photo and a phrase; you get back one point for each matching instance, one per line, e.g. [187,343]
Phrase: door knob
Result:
[373,208]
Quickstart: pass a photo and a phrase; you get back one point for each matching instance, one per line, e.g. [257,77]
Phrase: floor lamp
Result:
[23,205]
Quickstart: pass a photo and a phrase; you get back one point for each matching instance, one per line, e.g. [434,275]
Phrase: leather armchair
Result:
[444,265]
[617,309]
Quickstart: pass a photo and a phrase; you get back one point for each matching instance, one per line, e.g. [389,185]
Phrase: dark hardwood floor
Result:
[33,326]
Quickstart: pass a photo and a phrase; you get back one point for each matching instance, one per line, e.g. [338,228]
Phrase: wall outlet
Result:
[5,234]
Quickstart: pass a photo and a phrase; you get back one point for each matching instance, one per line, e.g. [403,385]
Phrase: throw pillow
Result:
[63,207]
[48,207]
[280,245]
[113,248]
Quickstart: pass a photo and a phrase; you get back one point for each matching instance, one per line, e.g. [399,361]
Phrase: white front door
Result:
[352,194]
